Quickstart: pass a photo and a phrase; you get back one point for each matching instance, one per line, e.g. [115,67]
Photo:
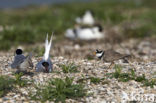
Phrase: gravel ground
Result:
[108,91]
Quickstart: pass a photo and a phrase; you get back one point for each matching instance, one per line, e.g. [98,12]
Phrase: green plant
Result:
[69,68]
[125,77]
[95,80]
[150,83]
[19,81]
[133,74]
[6,85]
[140,78]
[117,72]
[59,90]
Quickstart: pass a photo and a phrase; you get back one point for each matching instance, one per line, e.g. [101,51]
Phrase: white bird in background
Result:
[87,19]
[22,63]
[45,65]
[94,32]
[71,33]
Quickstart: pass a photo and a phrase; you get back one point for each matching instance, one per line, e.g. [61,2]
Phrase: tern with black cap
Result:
[22,63]
[45,65]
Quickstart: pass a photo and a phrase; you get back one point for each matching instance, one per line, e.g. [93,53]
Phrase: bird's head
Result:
[99,53]
[99,26]
[46,65]
[19,51]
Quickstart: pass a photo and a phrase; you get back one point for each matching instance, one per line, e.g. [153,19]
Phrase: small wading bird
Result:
[110,56]
[22,63]
[45,65]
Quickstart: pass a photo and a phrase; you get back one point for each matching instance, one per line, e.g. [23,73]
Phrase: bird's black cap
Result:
[19,51]
[98,51]
[45,64]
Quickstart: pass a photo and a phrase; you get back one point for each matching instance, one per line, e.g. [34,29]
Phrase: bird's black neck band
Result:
[101,55]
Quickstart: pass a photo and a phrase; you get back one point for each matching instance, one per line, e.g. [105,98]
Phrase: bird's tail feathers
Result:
[47,47]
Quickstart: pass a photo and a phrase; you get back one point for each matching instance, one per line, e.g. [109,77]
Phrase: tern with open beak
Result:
[45,65]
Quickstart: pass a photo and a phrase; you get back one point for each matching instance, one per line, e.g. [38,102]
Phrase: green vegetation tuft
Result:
[19,81]
[140,78]
[59,90]
[117,71]
[95,80]
[125,77]
[150,83]
[69,68]
[6,85]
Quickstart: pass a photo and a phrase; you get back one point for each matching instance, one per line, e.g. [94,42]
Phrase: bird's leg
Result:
[110,66]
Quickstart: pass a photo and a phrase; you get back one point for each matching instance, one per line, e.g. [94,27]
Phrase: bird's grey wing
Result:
[117,55]
[29,60]
[17,61]
[112,55]
[39,67]
[50,65]
[27,63]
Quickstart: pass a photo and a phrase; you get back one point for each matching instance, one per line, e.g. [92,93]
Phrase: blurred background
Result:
[26,22]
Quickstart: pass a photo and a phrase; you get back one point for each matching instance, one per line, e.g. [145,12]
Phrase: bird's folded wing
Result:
[17,61]
[39,67]
[28,62]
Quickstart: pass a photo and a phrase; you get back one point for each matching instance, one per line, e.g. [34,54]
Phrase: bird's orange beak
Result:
[94,53]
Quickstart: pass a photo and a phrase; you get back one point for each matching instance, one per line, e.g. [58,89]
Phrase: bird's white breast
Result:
[98,54]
